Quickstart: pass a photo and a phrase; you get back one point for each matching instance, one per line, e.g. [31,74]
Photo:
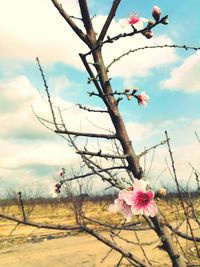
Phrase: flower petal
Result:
[123,23]
[127,213]
[140,185]
[151,209]
[128,197]
[150,194]
[115,207]
[137,210]
[139,25]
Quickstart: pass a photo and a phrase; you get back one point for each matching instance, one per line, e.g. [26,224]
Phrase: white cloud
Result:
[184,150]
[138,132]
[60,83]
[35,28]
[17,119]
[29,152]
[186,76]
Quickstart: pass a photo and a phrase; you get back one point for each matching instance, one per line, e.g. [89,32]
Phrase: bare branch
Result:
[86,18]
[40,225]
[108,20]
[47,92]
[91,110]
[151,47]
[92,173]
[180,195]
[99,154]
[114,246]
[106,136]
[22,206]
[179,233]
[128,227]
[71,23]
[153,147]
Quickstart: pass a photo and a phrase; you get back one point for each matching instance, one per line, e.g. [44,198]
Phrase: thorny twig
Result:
[180,195]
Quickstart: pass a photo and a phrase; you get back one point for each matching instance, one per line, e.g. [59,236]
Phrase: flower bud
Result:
[127,90]
[130,188]
[150,23]
[129,97]
[134,91]
[164,20]
[57,191]
[57,186]
[148,34]
[156,12]
[162,192]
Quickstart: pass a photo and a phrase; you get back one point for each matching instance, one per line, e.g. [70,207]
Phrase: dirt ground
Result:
[74,251]
[24,246]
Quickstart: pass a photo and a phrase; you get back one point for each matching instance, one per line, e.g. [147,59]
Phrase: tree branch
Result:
[151,47]
[71,23]
[191,238]
[153,147]
[91,110]
[106,136]
[86,18]
[99,154]
[92,173]
[47,92]
[114,246]
[40,225]
[108,20]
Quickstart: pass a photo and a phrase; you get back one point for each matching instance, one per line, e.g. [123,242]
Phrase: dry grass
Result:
[63,213]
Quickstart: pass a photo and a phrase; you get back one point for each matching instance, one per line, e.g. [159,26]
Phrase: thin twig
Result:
[99,154]
[108,20]
[153,147]
[180,195]
[150,47]
[47,92]
[22,205]
[91,110]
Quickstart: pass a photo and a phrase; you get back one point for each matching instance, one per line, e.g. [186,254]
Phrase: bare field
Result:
[24,246]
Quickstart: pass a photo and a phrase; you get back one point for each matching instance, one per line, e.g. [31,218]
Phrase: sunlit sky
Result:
[30,153]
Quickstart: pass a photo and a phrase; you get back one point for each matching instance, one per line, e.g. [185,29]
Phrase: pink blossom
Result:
[141,199]
[121,206]
[156,12]
[142,99]
[133,19]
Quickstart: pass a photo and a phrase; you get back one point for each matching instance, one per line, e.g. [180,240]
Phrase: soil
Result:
[77,251]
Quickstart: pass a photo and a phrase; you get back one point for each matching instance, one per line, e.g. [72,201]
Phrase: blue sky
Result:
[32,154]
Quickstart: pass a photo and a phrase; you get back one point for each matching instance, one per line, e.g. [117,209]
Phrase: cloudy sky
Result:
[30,153]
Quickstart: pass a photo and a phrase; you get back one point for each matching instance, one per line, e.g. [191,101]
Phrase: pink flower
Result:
[141,199]
[133,19]
[121,206]
[142,99]
[156,12]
